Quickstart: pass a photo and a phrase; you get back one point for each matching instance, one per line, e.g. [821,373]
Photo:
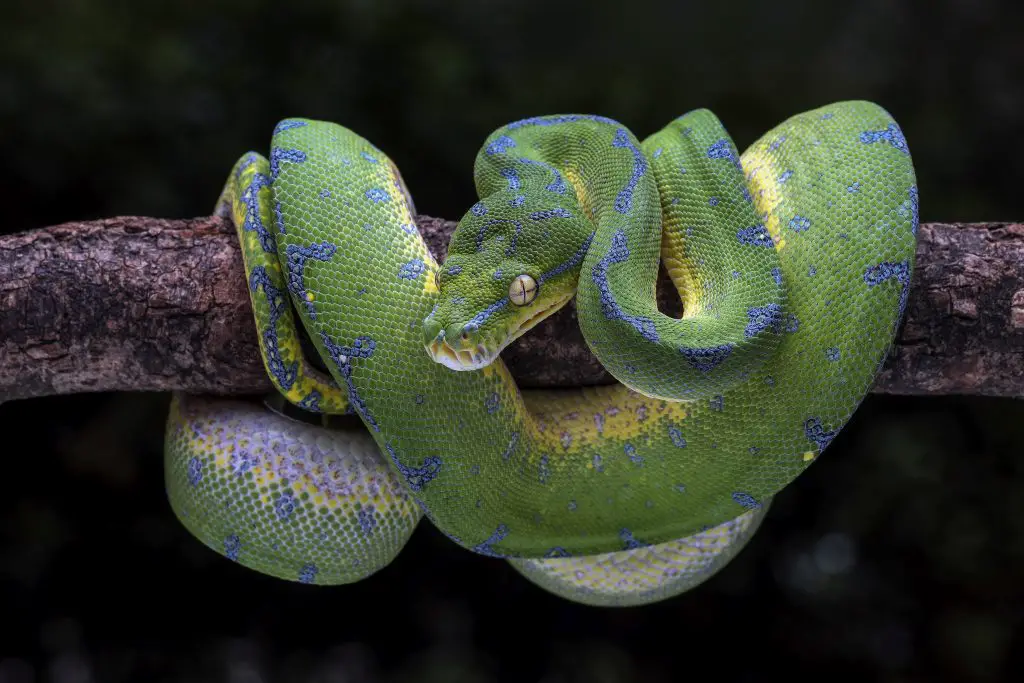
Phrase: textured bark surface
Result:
[146,304]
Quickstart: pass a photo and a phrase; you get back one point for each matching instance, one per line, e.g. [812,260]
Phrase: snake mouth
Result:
[538,316]
[460,359]
[482,355]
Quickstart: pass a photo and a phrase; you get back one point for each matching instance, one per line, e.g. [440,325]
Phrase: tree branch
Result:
[146,304]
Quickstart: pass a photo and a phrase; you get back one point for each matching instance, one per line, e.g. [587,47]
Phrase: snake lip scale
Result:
[458,359]
[793,261]
[462,359]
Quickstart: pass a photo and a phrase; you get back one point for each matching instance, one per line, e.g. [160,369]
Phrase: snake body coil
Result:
[793,262]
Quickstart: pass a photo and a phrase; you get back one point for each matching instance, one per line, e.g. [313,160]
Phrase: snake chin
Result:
[482,355]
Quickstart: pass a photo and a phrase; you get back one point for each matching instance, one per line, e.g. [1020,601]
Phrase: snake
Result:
[391,402]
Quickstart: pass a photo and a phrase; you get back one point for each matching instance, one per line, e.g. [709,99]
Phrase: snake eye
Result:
[523,290]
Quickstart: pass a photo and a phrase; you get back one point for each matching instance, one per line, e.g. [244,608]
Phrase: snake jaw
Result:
[538,317]
[459,359]
[482,355]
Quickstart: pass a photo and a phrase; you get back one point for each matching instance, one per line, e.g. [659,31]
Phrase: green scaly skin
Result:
[793,263]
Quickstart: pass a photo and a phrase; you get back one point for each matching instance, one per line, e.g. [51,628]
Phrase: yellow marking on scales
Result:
[583,195]
[571,425]
[300,388]
[406,217]
[221,458]
[430,282]
[239,209]
[682,271]
[762,178]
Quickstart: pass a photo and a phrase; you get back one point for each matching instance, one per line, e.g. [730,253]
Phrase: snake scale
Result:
[793,262]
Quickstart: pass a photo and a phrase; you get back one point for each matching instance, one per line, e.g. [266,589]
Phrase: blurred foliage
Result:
[113,108]
[898,557]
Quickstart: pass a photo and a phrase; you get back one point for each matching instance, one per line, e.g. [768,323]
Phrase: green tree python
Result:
[793,263]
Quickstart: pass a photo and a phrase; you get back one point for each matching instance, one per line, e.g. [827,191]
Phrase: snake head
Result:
[507,270]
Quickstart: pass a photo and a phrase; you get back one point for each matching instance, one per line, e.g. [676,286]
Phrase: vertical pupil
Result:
[522,289]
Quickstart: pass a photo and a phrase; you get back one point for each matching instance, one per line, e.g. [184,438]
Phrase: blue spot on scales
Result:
[757,236]
[279,155]
[624,200]
[619,252]
[891,134]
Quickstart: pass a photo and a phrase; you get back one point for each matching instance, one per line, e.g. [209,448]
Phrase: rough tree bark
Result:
[145,304]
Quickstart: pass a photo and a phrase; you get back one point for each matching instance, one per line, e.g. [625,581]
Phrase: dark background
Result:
[898,557]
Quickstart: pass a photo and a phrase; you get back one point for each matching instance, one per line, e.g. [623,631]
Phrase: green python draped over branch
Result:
[793,262]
